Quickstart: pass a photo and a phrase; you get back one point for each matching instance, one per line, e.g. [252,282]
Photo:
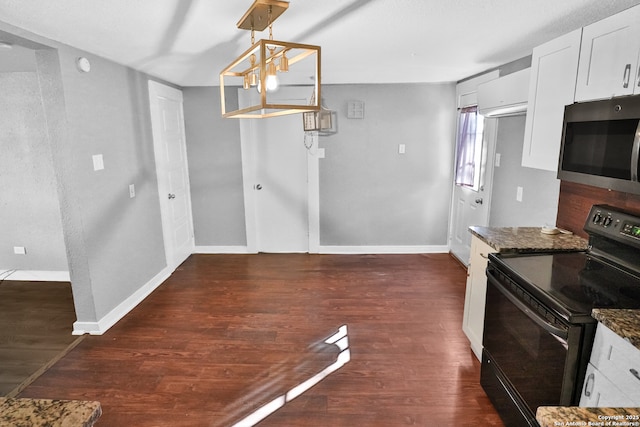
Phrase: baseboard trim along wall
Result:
[102,325]
[34,275]
[432,249]
[220,250]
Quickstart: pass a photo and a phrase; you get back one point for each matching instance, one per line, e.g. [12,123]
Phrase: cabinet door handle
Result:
[587,391]
[484,256]
[635,373]
[626,76]
[638,76]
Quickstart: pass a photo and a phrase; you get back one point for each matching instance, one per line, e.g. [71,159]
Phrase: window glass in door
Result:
[469,148]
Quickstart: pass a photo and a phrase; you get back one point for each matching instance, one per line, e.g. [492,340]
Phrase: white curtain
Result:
[468,148]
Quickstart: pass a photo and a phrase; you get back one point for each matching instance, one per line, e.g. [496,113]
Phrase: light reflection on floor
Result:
[341,340]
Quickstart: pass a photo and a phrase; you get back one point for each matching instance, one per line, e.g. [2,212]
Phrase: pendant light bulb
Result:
[271,83]
[272,79]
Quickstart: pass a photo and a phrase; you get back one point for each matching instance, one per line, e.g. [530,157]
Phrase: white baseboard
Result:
[221,250]
[102,325]
[432,249]
[35,275]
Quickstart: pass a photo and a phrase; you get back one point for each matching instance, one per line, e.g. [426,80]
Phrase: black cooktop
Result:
[573,283]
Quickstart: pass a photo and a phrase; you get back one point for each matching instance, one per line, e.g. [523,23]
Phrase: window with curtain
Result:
[469,148]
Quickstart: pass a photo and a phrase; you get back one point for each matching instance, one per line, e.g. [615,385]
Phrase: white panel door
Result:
[172,170]
[275,177]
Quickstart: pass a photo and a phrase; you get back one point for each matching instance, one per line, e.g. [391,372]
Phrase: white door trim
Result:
[159,90]
[314,154]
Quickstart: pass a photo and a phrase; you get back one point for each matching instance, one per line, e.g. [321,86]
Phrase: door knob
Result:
[258,187]
[172,196]
[479,201]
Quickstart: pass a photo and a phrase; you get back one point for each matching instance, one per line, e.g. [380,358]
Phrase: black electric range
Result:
[572,284]
[538,328]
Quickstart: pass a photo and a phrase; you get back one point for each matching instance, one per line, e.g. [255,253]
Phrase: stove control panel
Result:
[631,229]
[611,222]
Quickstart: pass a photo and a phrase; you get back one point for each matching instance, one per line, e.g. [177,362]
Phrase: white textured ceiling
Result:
[188,42]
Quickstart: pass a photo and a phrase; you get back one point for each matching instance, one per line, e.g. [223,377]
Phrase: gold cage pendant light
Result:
[268,64]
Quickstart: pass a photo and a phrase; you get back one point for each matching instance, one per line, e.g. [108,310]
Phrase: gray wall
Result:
[114,243]
[370,194]
[29,208]
[540,188]
[17,59]
[215,169]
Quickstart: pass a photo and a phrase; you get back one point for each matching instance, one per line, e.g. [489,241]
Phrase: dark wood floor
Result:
[227,334]
[36,320]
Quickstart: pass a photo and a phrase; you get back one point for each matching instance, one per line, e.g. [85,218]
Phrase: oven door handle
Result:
[540,321]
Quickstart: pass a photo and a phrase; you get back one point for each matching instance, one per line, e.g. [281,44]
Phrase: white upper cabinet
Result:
[609,57]
[552,86]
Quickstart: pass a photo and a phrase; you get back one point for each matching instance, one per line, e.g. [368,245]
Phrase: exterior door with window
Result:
[474,173]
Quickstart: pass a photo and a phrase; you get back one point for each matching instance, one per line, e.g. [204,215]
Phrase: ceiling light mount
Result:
[268,64]
[261,14]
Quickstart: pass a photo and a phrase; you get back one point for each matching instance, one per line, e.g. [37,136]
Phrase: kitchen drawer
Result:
[598,391]
[618,360]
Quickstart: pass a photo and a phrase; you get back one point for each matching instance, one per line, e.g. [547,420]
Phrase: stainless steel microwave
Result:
[601,143]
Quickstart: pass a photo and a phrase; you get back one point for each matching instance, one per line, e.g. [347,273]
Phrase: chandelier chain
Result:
[270,24]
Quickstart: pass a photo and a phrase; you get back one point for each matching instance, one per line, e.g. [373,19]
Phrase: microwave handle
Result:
[635,155]
[626,76]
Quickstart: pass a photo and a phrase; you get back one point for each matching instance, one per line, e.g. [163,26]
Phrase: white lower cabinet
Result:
[598,391]
[475,295]
[613,375]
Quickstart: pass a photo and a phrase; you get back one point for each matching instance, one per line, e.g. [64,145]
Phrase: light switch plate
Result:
[132,191]
[98,162]
[519,194]
[497,161]
[402,149]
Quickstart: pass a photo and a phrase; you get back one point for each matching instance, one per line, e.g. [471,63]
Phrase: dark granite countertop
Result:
[625,323]
[49,413]
[553,416]
[528,239]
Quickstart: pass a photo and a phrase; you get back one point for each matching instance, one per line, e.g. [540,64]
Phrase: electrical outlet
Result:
[519,194]
[19,250]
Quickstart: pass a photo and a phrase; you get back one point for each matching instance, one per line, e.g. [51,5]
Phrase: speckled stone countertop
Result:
[527,239]
[625,323]
[553,416]
[49,413]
